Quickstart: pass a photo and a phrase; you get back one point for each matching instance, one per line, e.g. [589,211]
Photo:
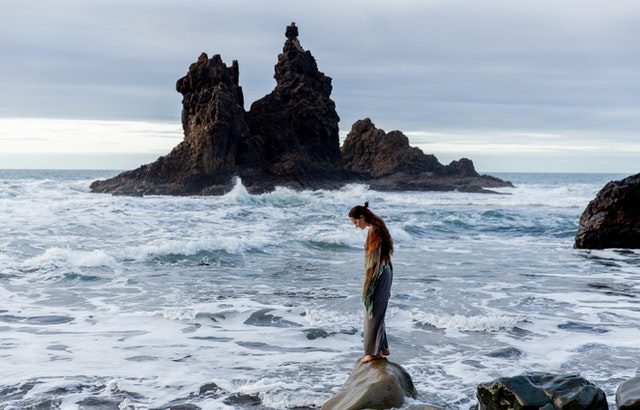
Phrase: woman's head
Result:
[361,215]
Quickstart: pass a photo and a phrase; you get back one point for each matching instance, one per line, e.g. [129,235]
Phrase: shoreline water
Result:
[146,300]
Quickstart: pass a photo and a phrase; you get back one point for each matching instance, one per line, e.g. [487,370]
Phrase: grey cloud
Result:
[408,65]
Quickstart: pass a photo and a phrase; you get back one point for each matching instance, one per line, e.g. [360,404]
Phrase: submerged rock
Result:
[386,161]
[628,395]
[379,384]
[612,219]
[541,391]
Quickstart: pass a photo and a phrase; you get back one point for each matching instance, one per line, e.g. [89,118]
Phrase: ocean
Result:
[253,301]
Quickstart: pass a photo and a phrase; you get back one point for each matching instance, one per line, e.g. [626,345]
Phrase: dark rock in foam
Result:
[242,400]
[612,219]
[541,391]
[287,138]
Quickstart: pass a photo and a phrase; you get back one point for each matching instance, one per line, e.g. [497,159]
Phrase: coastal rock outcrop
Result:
[379,384]
[287,138]
[628,395]
[541,391]
[386,161]
[612,219]
[214,125]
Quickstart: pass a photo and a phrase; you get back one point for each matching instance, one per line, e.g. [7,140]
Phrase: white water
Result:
[139,302]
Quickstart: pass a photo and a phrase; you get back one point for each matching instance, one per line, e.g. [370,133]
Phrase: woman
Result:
[378,275]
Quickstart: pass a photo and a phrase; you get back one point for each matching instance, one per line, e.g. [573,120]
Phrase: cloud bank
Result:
[454,67]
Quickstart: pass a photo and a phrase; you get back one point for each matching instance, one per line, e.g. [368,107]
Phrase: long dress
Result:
[375,295]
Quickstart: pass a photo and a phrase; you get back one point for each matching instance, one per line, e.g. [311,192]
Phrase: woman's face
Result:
[359,222]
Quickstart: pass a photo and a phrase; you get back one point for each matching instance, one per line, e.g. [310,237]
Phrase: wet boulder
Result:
[612,219]
[379,384]
[628,395]
[541,391]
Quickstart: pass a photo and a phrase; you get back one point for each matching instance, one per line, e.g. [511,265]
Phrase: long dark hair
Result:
[378,224]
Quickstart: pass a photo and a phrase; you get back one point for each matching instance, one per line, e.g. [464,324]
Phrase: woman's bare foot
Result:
[385,352]
[369,358]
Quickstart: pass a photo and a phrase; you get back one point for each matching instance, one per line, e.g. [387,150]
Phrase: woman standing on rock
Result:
[378,275]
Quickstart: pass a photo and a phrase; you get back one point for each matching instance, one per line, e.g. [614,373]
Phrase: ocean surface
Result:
[225,302]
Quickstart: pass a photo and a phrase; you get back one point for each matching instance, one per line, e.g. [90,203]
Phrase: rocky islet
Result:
[287,138]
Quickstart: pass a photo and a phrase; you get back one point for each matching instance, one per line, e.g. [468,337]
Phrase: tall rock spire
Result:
[297,123]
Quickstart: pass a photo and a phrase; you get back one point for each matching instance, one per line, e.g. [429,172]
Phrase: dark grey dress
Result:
[375,336]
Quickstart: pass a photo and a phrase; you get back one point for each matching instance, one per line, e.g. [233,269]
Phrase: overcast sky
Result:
[513,85]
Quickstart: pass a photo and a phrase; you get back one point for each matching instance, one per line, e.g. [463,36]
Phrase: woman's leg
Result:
[375,338]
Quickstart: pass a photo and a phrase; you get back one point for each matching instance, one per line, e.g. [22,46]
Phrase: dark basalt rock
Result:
[288,138]
[294,129]
[612,219]
[628,395]
[386,161]
[242,400]
[213,122]
[541,391]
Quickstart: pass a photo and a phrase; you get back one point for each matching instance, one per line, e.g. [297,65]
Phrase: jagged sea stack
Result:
[288,138]
[294,129]
[612,219]
[213,122]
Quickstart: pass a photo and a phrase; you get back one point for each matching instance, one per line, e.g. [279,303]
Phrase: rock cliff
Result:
[287,138]
[612,219]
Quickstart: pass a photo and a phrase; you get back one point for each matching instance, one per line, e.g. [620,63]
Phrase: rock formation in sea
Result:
[294,129]
[386,161]
[214,127]
[541,391]
[287,138]
[612,219]
[379,384]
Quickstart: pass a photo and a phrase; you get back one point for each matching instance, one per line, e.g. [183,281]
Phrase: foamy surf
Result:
[213,302]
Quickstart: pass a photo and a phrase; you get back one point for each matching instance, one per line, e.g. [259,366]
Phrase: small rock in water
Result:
[48,320]
[263,318]
[581,327]
[506,352]
[99,403]
[541,391]
[628,395]
[187,406]
[313,334]
[241,399]
[209,388]
[379,384]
